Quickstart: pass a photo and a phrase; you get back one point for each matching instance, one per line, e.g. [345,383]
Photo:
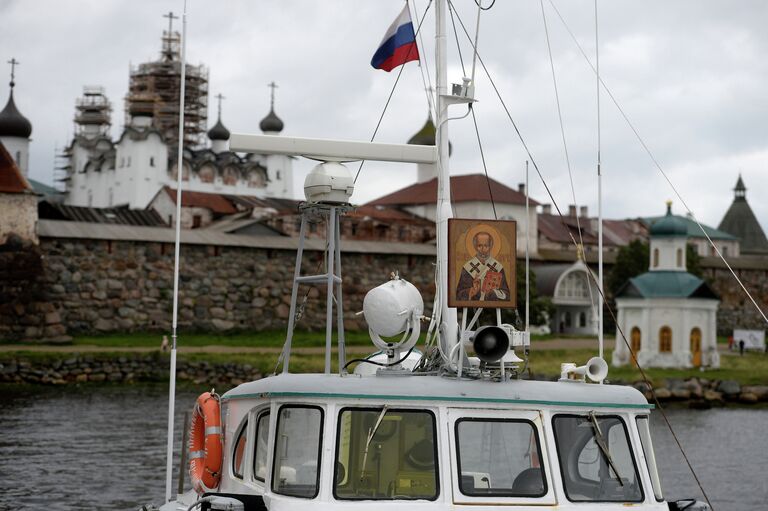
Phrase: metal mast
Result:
[449,322]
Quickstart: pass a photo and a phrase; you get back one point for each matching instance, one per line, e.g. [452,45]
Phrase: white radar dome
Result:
[388,308]
[329,182]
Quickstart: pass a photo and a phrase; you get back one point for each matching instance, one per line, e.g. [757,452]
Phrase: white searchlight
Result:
[596,370]
[391,309]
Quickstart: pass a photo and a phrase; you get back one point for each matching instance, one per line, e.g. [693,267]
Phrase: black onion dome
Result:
[12,123]
[271,123]
[218,132]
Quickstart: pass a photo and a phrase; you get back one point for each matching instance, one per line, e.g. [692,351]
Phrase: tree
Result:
[631,261]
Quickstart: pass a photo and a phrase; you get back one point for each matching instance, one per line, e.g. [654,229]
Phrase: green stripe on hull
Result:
[441,398]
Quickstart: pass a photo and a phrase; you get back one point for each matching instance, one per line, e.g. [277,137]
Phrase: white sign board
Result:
[753,339]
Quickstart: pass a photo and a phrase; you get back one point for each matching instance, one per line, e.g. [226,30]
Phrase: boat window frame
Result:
[500,420]
[623,423]
[260,414]
[655,482]
[435,447]
[242,431]
[537,416]
[319,448]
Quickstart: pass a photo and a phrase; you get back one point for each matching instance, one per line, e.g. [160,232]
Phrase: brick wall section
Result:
[99,286]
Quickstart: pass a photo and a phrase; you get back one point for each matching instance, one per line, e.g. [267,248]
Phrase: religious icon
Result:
[481,263]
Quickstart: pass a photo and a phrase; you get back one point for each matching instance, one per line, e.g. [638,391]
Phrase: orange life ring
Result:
[205,443]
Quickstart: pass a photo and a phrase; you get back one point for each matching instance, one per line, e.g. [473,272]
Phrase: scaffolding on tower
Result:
[154,90]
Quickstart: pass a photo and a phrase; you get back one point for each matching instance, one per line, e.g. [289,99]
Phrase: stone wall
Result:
[69,285]
[103,286]
[736,309]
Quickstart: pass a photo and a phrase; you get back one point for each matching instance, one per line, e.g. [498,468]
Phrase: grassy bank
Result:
[750,369]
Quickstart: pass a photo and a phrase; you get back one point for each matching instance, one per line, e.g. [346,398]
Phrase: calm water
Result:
[104,448]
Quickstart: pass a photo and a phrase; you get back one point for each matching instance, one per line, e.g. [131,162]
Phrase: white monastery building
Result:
[667,314]
[131,170]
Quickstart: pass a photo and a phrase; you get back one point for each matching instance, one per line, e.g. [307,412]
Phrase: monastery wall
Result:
[104,283]
[93,286]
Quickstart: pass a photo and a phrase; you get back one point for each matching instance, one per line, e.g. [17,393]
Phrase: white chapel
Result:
[668,315]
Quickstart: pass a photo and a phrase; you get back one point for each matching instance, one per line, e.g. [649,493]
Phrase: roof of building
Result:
[12,123]
[740,221]
[426,135]
[669,225]
[119,216]
[44,189]
[83,230]
[546,277]
[271,123]
[622,232]
[215,202]
[559,229]
[666,284]
[219,131]
[11,178]
[464,188]
[385,214]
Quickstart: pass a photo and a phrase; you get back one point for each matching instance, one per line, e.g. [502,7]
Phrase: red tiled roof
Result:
[466,188]
[11,178]
[386,214]
[213,201]
[557,229]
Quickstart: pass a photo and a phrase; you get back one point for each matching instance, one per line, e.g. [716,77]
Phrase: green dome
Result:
[669,225]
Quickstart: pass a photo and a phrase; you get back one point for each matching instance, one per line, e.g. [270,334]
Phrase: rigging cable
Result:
[392,92]
[610,310]
[580,248]
[658,166]
[472,110]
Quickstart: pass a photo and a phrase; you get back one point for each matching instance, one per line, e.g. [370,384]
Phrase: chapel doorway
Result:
[696,346]
[635,342]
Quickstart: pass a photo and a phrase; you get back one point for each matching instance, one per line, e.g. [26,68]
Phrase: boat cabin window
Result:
[500,458]
[385,453]
[260,447]
[297,451]
[596,459]
[238,459]
[643,428]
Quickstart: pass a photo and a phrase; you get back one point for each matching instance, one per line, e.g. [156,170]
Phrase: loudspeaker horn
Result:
[490,343]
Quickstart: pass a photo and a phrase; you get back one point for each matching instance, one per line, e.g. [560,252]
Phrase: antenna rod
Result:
[449,319]
[179,177]
[527,259]
[599,204]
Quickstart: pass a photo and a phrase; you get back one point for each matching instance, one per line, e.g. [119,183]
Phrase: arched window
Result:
[635,339]
[679,257]
[665,340]
[655,257]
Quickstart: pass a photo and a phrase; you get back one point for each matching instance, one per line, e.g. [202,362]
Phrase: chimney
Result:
[546,209]
[583,212]
[571,209]
[521,188]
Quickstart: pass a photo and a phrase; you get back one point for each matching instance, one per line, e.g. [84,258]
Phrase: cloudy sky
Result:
[691,75]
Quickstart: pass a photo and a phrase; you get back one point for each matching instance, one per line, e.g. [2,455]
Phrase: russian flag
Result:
[398,45]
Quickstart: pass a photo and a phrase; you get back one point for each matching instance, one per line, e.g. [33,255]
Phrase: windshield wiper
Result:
[371,433]
[601,443]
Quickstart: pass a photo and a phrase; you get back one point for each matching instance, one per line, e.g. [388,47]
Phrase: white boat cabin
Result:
[320,442]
